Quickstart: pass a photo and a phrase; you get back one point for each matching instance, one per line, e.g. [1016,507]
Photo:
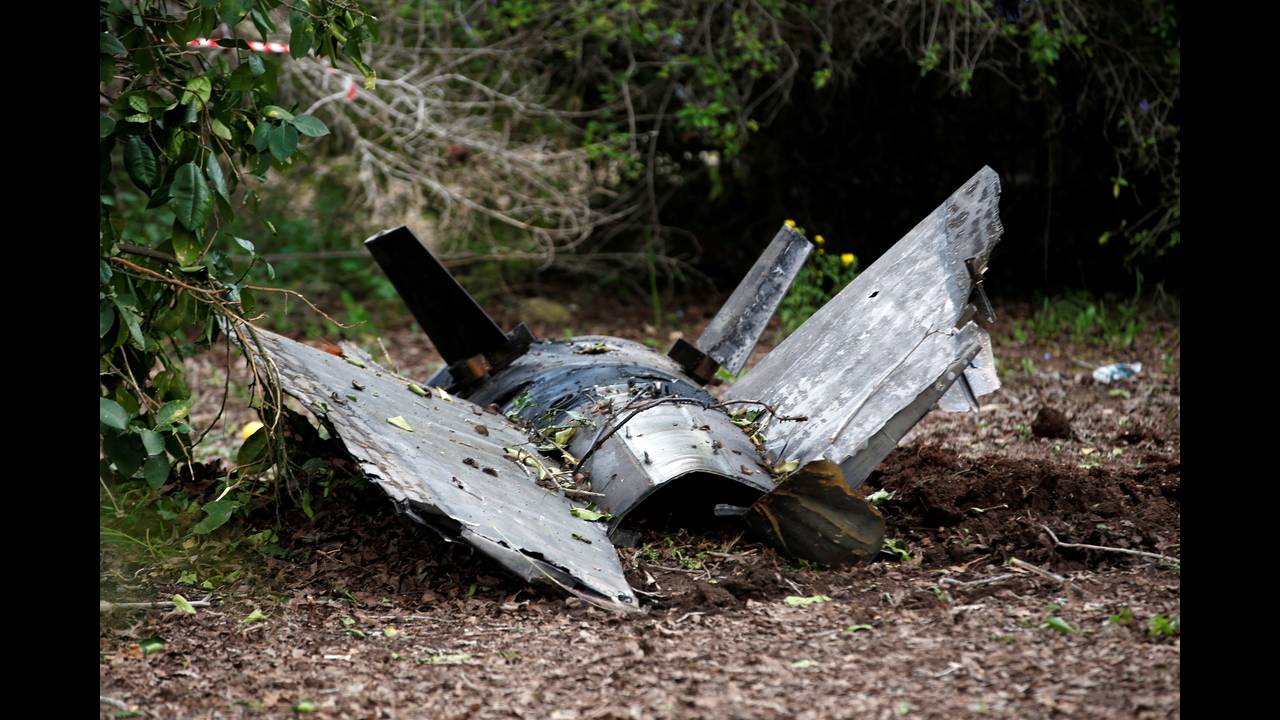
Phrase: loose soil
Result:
[372,616]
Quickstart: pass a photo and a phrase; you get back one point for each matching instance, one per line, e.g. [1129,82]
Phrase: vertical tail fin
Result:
[870,363]
[467,338]
[455,322]
[733,333]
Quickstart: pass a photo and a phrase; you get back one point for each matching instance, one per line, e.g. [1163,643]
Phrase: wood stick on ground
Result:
[1127,551]
[731,556]
[104,606]
[976,583]
[1024,565]
[394,368]
[575,493]
[793,586]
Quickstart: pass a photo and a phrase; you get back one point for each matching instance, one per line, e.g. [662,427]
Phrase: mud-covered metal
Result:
[451,469]
[734,331]
[873,360]
[813,514]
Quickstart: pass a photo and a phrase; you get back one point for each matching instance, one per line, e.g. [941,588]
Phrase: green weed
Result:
[1161,626]
[1124,617]
[1106,323]
[821,279]
[897,548]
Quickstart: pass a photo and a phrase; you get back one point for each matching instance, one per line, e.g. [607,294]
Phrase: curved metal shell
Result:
[669,442]
[602,380]
[565,367]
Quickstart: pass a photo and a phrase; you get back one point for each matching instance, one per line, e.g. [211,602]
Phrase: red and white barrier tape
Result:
[349,84]
[254,45]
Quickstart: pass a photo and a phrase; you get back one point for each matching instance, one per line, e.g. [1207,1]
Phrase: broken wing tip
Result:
[978,199]
[988,174]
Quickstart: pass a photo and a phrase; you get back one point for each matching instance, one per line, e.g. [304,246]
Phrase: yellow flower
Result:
[847,259]
[817,239]
[791,224]
[249,429]
[821,251]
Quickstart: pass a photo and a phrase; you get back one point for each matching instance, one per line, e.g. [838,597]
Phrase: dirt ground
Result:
[980,615]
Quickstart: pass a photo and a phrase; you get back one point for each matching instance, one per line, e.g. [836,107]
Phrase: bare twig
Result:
[575,493]
[793,586]
[119,705]
[148,252]
[976,583]
[303,298]
[105,606]
[1024,565]
[1127,551]
[386,354]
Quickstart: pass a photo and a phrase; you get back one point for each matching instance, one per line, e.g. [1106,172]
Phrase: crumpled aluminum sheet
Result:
[873,360]
[451,472]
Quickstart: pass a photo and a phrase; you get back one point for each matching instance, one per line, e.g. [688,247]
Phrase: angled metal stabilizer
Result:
[444,461]
[813,514]
[872,361]
[470,342]
[733,333]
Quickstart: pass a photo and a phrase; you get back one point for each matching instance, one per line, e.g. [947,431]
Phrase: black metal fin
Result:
[467,338]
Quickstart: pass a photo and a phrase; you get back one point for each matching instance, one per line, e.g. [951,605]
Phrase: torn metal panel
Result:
[864,366]
[979,379]
[877,447]
[733,333]
[451,470]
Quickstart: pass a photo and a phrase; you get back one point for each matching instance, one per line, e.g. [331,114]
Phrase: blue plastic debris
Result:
[1116,371]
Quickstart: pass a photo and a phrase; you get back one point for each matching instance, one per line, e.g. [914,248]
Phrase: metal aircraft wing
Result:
[444,461]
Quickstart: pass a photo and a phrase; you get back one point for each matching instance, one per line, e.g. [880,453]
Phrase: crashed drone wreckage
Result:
[784,449]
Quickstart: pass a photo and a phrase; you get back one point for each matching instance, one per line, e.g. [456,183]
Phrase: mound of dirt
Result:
[998,504]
